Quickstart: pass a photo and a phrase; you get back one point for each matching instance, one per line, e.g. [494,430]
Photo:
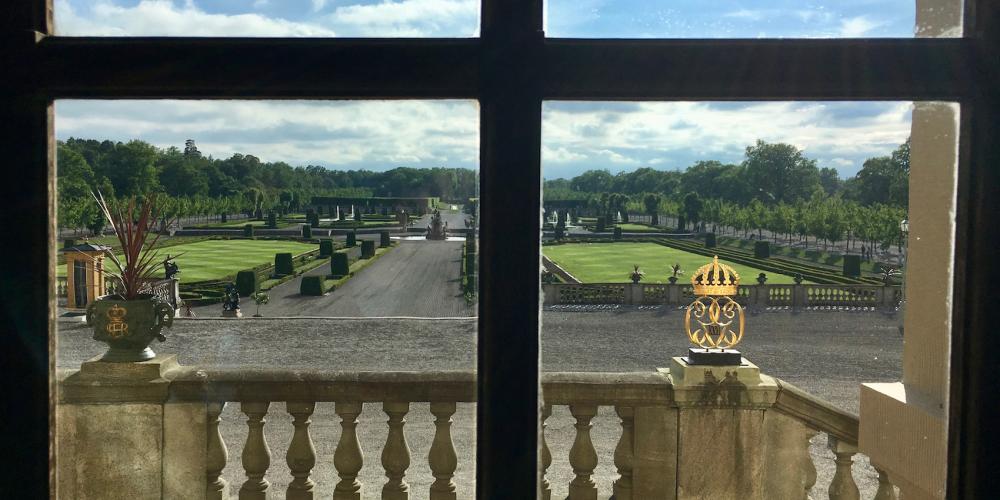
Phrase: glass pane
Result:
[809,204]
[328,248]
[268,18]
[767,19]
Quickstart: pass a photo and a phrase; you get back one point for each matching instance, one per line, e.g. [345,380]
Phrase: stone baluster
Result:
[843,486]
[624,454]
[546,455]
[348,458]
[217,455]
[301,455]
[256,454]
[442,457]
[885,489]
[583,456]
[396,453]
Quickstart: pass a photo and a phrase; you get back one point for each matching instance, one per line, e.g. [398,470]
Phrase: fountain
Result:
[437,230]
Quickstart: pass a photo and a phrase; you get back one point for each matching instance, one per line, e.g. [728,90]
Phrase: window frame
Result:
[511,69]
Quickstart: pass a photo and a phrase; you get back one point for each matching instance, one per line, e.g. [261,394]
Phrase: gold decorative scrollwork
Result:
[714,318]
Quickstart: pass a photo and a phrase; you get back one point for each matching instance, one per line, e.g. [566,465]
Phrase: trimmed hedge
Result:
[357,215]
[710,240]
[601,225]
[761,250]
[618,233]
[339,264]
[246,282]
[681,223]
[367,249]
[560,232]
[248,230]
[811,273]
[307,232]
[283,264]
[272,220]
[384,239]
[852,266]
[352,239]
[325,248]
[312,285]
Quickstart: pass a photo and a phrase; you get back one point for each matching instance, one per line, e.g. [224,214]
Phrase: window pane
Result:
[768,19]
[347,232]
[268,18]
[810,204]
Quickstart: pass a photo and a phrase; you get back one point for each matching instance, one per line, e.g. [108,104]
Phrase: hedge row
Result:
[821,276]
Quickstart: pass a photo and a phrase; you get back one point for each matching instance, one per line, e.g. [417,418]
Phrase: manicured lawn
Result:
[216,259]
[612,263]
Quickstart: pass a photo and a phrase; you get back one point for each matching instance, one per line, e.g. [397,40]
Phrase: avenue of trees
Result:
[775,188]
[191,184]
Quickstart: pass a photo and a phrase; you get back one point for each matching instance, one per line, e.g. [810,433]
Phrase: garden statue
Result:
[437,230]
[761,278]
[231,302]
[170,268]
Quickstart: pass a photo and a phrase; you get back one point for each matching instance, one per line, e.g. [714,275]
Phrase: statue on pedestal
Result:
[231,302]
[170,269]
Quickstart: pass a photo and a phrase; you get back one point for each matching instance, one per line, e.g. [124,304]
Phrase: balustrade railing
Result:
[866,297]
[644,404]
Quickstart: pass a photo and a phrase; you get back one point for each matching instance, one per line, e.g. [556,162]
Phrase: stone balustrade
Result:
[681,435]
[755,297]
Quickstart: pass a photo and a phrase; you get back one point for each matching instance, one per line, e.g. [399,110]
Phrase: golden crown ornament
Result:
[714,320]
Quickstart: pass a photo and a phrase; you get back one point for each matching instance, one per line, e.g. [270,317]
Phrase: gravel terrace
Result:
[826,353]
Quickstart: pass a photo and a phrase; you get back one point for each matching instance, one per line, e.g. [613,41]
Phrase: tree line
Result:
[188,183]
[775,188]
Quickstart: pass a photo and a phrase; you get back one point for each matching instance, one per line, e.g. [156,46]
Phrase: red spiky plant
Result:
[133,222]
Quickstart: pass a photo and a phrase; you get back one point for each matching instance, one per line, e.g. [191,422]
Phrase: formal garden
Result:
[612,262]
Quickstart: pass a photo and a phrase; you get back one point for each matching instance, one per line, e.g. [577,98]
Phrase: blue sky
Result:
[460,18]
[576,136]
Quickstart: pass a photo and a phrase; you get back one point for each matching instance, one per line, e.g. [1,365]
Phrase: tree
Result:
[779,172]
[651,203]
[830,181]
[692,207]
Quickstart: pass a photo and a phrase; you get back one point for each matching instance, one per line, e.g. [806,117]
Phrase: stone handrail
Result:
[756,297]
[648,459]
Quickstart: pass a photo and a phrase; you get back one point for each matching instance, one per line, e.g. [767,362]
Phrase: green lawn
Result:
[612,263]
[216,259]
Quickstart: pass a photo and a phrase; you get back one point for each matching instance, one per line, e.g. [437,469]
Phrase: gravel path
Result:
[416,278]
[825,353]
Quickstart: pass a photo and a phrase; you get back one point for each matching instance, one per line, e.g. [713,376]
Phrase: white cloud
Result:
[678,133]
[747,14]
[259,4]
[350,134]
[409,17]
[856,27]
[165,18]
[560,155]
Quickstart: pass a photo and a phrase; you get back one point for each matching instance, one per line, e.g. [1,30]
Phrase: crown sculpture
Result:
[714,321]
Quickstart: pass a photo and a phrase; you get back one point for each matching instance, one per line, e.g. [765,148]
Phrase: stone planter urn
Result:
[672,280]
[129,326]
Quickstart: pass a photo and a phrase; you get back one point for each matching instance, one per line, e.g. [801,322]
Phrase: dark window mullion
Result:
[909,69]
[510,193]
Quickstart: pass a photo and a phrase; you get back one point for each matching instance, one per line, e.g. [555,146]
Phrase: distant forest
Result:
[190,183]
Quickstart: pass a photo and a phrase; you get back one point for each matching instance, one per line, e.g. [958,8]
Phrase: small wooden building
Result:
[84,274]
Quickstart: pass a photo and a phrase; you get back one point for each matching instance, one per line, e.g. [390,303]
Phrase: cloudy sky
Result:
[576,136]
[460,18]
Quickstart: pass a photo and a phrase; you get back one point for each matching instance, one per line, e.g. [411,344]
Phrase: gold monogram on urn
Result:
[714,320]
[117,327]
